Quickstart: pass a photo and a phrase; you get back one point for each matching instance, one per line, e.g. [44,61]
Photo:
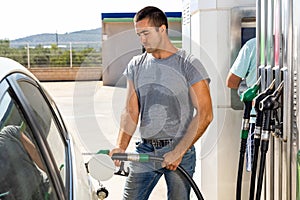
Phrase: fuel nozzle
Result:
[247,97]
[251,92]
[259,114]
[267,105]
[263,95]
[271,101]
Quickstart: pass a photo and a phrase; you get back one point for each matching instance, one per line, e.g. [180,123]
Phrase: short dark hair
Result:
[156,16]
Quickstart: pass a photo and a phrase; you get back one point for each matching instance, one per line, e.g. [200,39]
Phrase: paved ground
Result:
[93,111]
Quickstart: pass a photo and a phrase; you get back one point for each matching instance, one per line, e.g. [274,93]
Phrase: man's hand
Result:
[171,160]
[116,150]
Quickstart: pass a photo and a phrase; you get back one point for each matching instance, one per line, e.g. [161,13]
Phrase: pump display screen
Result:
[247,33]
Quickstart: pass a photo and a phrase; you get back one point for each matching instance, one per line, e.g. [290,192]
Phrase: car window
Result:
[48,125]
[22,171]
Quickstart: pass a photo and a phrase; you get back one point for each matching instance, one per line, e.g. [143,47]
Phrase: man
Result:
[165,85]
[244,66]
[242,75]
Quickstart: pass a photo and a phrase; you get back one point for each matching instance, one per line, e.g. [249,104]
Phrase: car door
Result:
[26,109]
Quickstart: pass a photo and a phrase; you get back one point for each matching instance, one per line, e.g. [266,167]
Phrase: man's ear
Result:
[163,28]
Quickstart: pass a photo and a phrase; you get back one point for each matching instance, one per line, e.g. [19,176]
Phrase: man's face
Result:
[149,36]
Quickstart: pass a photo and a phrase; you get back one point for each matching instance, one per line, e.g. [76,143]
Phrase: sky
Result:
[21,18]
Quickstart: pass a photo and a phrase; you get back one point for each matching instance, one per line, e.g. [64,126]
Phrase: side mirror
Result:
[101,167]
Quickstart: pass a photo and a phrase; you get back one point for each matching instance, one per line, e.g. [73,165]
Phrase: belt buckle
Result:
[156,143]
[161,143]
[164,142]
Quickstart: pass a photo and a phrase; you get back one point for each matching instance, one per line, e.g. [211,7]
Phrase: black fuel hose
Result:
[254,168]
[257,136]
[244,136]
[147,158]
[263,150]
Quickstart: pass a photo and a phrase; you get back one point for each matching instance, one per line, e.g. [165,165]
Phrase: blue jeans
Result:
[144,176]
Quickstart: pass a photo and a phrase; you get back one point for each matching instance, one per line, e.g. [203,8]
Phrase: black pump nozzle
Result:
[271,101]
[257,100]
[263,95]
[268,104]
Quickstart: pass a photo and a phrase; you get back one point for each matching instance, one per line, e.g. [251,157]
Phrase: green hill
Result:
[83,38]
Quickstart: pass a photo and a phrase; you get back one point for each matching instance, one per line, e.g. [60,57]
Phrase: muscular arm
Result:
[201,99]
[233,81]
[129,120]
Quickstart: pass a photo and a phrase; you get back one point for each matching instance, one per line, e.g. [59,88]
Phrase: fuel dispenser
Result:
[275,170]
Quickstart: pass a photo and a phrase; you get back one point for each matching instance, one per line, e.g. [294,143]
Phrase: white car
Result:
[38,156]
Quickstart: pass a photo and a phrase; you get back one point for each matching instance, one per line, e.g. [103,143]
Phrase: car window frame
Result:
[17,94]
[3,88]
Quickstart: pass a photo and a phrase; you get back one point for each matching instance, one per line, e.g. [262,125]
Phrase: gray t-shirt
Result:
[162,86]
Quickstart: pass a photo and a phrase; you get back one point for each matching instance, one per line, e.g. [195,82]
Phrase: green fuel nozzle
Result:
[251,92]
[103,151]
[128,156]
[247,97]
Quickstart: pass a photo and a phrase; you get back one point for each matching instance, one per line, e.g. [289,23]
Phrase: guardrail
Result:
[57,62]
[36,54]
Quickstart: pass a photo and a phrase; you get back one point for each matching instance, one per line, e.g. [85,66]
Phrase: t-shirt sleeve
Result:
[128,72]
[133,66]
[195,71]
[241,64]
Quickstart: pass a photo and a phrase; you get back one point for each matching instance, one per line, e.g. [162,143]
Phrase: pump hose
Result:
[192,182]
[264,149]
[147,158]
[257,136]
[244,136]
[253,169]
[240,169]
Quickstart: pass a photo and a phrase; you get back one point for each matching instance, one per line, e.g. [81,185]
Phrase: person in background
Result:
[241,76]
[244,67]
[168,91]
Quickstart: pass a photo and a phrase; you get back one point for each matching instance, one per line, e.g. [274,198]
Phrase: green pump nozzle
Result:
[251,92]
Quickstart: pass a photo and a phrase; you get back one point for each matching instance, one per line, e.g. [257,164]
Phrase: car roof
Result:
[9,66]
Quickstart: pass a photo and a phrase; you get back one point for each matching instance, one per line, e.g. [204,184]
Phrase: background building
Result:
[120,43]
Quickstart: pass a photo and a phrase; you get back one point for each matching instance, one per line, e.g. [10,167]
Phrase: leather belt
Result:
[158,143]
